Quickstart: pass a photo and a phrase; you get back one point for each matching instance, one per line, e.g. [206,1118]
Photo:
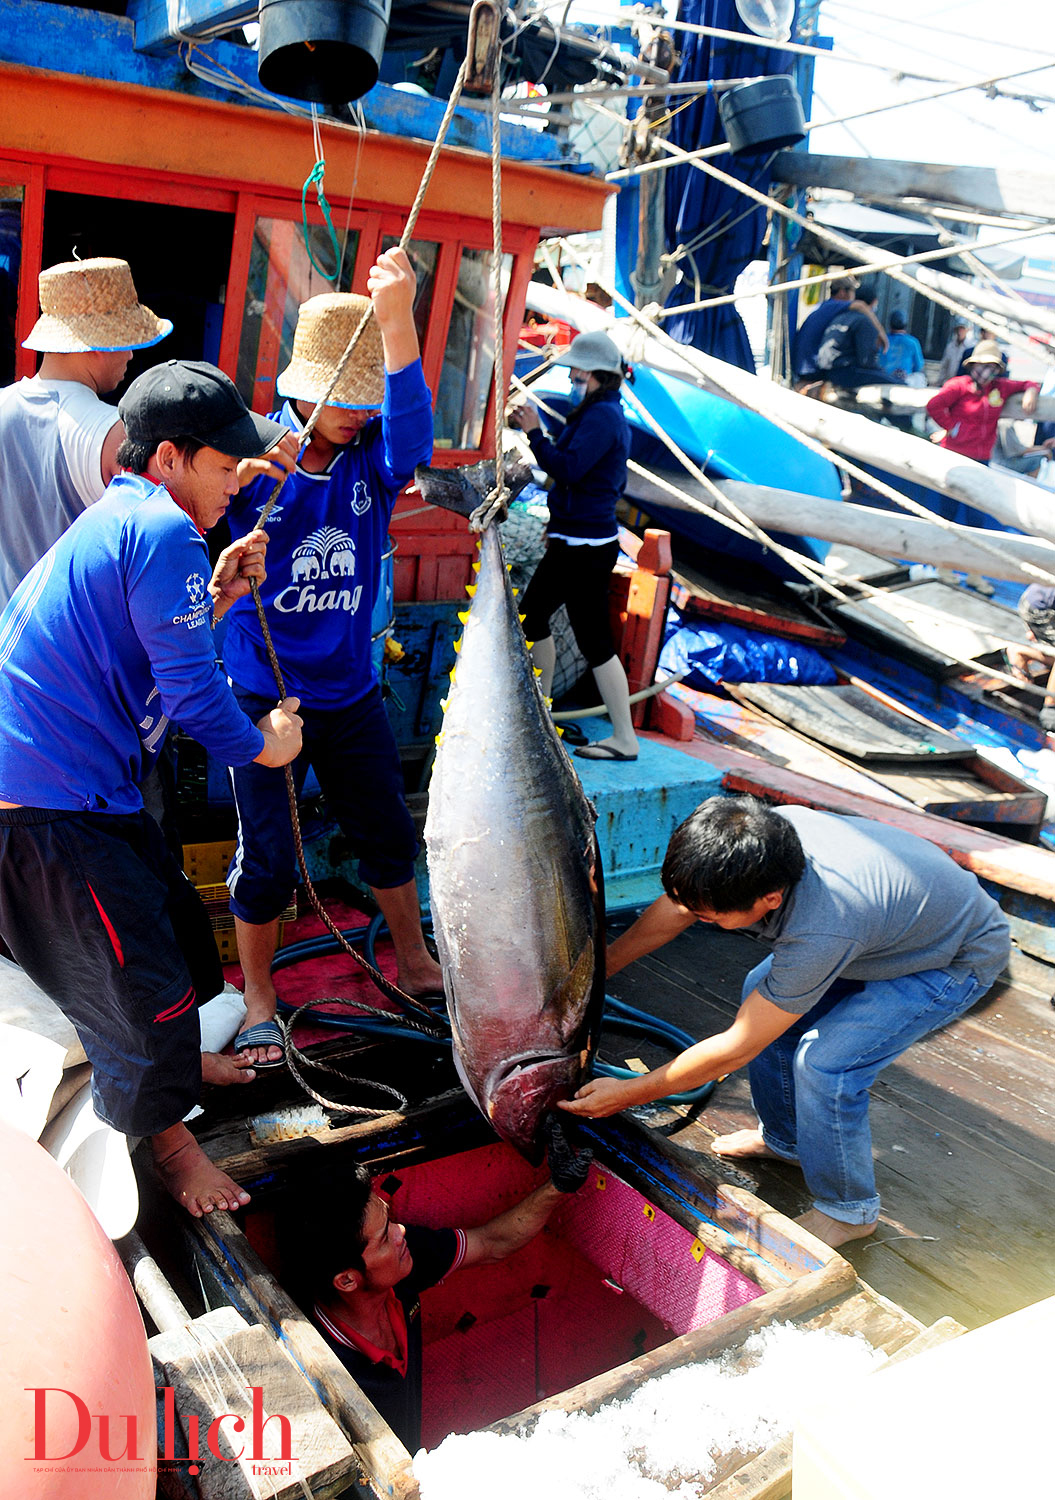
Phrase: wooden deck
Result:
[963,1130]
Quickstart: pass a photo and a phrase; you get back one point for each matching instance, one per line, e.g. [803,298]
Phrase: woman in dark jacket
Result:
[588,466]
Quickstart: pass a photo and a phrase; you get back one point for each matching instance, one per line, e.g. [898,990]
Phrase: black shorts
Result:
[578,577]
[100,916]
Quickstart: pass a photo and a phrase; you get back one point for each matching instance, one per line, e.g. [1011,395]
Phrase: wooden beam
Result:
[1000,190]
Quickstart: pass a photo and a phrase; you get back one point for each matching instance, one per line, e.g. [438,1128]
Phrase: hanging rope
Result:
[315,179]
[484,514]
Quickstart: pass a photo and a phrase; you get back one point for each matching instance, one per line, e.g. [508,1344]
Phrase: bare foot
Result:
[195,1182]
[217,1068]
[744,1143]
[424,978]
[833,1232]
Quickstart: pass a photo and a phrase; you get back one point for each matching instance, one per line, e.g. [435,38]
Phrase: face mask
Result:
[578,391]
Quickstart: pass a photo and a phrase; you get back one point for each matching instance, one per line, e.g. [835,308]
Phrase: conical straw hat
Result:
[91,306]
[324,330]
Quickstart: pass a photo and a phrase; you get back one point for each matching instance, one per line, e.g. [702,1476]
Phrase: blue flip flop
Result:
[263,1034]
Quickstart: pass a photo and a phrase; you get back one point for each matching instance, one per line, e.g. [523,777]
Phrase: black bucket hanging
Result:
[324,51]
[764,114]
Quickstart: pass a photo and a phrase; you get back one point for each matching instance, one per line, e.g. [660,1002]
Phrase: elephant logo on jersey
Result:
[327,554]
[361,498]
[196,588]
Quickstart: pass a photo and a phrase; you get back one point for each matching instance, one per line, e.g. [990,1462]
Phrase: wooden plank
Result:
[774,609]
[1004,189]
[1017,866]
[939,620]
[842,717]
[212,1366]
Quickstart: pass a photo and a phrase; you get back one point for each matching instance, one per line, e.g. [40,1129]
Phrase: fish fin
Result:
[559,730]
[443,705]
[452,672]
[458,645]
[439,738]
[537,671]
[464,617]
[516,593]
[476,566]
[470,589]
[528,644]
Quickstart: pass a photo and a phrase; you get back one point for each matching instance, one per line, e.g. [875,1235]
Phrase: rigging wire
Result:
[950,34]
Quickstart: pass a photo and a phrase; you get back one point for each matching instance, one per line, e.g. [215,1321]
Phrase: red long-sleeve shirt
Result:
[970,415]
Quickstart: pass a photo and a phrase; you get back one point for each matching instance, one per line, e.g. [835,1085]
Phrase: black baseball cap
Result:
[189,398]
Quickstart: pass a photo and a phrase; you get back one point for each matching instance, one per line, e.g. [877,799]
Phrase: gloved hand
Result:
[568,1160]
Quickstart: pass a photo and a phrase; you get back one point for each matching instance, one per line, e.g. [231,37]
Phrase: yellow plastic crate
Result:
[206,867]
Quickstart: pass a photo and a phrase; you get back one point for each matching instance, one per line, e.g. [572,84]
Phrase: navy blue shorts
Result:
[98,913]
[354,755]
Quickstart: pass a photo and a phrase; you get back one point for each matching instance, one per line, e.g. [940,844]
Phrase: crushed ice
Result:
[665,1441]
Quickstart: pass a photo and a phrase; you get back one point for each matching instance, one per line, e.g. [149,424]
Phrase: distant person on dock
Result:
[849,353]
[328,534]
[107,639]
[902,361]
[878,939]
[587,463]
[968,407]
[58,438]
[811,331]
[359,1273]
[985,336]
[953,353]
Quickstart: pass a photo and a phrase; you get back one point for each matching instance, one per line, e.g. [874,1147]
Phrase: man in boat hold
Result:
[878,939]
[58,438]
[359,1273]
[107,639]
[328,534]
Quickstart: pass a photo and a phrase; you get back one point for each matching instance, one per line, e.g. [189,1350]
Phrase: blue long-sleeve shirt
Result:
[588,465]
[903,356]
[327,537]
[104,641]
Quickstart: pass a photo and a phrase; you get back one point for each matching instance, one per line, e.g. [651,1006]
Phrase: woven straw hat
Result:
[985,353]
[91,306]
[324,329]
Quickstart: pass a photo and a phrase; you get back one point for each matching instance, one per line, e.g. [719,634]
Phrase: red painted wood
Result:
[673,720]
[1020,867]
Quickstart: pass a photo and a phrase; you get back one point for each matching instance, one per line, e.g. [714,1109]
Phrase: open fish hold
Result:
[515,877]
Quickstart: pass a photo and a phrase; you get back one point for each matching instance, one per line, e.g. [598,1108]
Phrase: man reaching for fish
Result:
[878,939]
[360,1272]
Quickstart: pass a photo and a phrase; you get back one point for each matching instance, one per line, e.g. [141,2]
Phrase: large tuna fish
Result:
[515,876]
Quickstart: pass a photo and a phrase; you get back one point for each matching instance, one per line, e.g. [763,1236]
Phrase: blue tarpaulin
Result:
[728,653]
[721,229]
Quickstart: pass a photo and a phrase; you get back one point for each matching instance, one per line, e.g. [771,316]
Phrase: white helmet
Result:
[592,351]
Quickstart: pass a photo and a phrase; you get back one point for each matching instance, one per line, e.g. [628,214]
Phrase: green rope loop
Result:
[315,179]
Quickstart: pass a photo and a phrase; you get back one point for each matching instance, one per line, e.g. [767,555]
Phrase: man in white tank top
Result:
[58,438]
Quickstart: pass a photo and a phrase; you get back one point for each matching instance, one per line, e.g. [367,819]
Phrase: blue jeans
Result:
[810,1086]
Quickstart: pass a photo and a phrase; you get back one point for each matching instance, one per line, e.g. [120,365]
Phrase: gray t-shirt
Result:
[875,902]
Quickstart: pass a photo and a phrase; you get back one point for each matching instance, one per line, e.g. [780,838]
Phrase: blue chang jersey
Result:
[327,537]
[104,641]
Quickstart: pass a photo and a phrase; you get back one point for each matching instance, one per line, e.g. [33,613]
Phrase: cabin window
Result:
[11,197]
[281,277]
[423,257]
[469,356]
